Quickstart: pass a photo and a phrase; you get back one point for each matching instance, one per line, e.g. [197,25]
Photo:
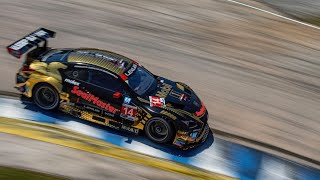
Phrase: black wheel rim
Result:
[158,130]
[46,97]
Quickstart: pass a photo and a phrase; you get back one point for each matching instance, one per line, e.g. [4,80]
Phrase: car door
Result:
[75,83]
[107,88]
[115,92]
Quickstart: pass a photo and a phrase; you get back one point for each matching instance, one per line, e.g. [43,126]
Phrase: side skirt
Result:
[72,109]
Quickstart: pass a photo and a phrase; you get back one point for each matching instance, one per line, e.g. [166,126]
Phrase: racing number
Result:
[128,112]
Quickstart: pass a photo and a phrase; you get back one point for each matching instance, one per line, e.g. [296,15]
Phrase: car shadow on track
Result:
[58,117]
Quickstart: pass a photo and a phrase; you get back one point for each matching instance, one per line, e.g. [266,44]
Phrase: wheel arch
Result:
[163,116]
[48,80]
[170,121]
[53,98]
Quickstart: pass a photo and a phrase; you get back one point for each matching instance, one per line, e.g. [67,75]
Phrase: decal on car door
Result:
[128,112]
[94,100]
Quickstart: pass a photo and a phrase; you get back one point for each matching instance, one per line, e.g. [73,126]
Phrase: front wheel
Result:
[159,130]
[46,97]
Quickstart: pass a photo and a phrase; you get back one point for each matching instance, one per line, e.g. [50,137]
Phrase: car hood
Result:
[177,95]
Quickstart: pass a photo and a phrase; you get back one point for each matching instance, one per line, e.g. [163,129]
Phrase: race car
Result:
[109,89]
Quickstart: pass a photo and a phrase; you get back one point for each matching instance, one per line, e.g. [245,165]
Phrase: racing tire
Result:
[46,97]
[159,130]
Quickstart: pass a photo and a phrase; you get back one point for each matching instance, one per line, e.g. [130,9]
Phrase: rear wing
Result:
[22,46]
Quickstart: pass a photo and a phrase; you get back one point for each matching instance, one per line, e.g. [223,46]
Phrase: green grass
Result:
[312,20]
[17,174]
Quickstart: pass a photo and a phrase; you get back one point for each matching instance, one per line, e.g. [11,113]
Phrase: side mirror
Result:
[117,95]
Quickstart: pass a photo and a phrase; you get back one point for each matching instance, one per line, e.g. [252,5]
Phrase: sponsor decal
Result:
[165,89]
[71,81]
[93,99]
[128,112]
[92,108]
[108,114]
[131,70]
[131,129]
[113,126]
[127,100]
[25,41]
[20,44]
[157,101]
[40,33]
[175,94]
[102,56]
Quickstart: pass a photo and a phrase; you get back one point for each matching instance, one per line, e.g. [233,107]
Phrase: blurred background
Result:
[258,74]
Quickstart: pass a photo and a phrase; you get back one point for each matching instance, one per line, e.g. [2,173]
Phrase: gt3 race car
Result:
[109,89]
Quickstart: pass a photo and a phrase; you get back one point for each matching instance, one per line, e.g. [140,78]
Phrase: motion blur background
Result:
[258,74]
[307,10]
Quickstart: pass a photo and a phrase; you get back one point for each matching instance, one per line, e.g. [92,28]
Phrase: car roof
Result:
[113,62]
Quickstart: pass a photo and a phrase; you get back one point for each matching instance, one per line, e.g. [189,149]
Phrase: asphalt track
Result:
[221,157]
[257,74]
[38,156]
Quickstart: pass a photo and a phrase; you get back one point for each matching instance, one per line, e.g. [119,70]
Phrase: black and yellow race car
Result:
[109,89]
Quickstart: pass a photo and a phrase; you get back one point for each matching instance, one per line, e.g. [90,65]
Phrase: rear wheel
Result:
[46,97]
[159,130]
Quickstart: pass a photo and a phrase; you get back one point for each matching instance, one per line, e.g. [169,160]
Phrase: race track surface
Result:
[258,75]
[16,151]
[225,159]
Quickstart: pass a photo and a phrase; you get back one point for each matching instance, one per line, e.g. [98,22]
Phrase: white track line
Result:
[278,15]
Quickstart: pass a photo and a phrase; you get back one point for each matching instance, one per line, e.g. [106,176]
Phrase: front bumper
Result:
[184,140]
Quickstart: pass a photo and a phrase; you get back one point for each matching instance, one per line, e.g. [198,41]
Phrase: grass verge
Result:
[8,173]
[312,20]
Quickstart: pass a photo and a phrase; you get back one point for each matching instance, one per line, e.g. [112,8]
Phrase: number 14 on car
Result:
[128,112]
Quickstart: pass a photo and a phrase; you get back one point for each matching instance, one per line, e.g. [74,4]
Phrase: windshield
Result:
[141,81]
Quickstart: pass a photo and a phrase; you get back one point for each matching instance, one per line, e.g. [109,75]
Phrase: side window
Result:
[78,73]
[104,80]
